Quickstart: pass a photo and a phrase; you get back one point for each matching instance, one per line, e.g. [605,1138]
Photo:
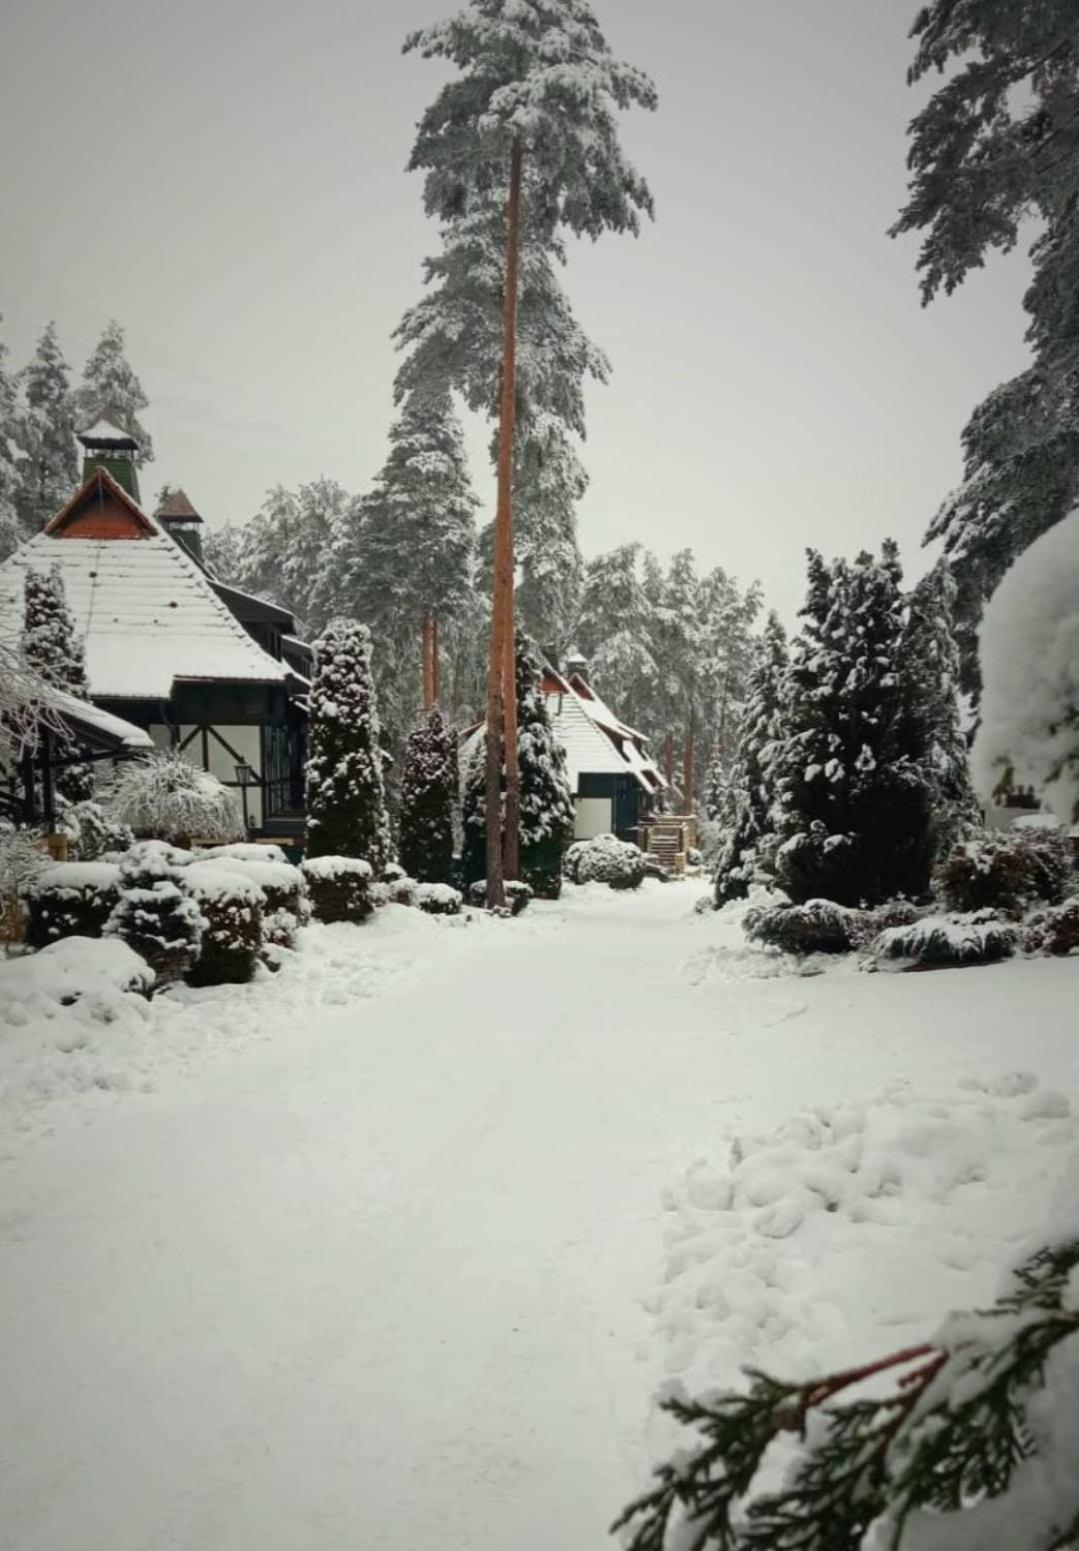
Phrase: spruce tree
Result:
[998,142]
[429,790]
[155,916]
[346,802]
[11,530]
[281,553]
[854,801]
[749,798]
[111,390]
[616,633]
[48,470]
[52,649]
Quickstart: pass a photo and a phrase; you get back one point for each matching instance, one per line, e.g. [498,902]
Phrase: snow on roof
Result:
[125,734]
[148,614]
[588,749]
[177,505]
[104,430]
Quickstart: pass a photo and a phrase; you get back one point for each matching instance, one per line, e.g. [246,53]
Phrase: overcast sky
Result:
[227,180]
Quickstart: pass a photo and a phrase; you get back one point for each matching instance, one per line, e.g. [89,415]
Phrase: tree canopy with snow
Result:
[748,802]
[346,801]
[53,651]
[1029,654]
[110,390]
[45,422]
[997,142]
[429,791]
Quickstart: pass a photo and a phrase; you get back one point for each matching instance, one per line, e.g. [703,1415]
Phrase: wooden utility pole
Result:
[501,686]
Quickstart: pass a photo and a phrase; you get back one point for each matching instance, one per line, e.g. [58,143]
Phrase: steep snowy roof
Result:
[148,614]
[595,741]
[92,718]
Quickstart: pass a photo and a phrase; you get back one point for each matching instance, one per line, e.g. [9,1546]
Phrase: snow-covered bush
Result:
[166,798]
[70,899]
[52,648]
[971,1445]
[429,789]
[518,896]
[1054,931]
[245,851]
[21,862]
[606,859]
[867,925]
[937,942]
[285,905]
[1029,656]
[1008,872]
[154,915]
[400,890]
[340,887]
[92,833]
[231,904]
[95,971]
[438,899]
[818,926]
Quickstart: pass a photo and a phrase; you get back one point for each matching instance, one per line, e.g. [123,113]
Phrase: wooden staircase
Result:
[669,839]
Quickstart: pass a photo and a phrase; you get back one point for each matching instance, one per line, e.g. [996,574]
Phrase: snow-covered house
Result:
[616,782]
[164,650]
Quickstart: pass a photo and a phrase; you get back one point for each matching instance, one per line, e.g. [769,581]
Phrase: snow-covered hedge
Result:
[72,970]
[167,798]
[285,905]
[231,906]
[70,899]
[518,896]
[1054,931]
[339,887]
[154,915]
[1009,872]
[244,851]
[606,859]
[394,888]
[818,926]
[438,899]
[936,942]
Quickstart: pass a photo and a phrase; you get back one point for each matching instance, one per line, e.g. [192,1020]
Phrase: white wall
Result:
[595,816]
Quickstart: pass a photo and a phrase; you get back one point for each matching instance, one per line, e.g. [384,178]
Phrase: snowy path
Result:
[377,1281]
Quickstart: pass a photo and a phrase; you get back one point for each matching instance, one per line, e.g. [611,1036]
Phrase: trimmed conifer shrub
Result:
[606,859]
[339,887]
[346,800]
[52,649]
[1009,872]
[818,926]
[70,899]
[231,905]
[941,942]
[154,915]
[438,899]
[518,896]
[429,793]
[285,905]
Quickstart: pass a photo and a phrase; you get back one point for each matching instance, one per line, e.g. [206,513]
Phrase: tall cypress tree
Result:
[48,469]
[429,789]
[110,388]
[53,650]
[748,811]
[346,802]
[997,142]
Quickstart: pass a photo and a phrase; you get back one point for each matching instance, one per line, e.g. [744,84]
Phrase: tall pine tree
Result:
[11,531]
[998,142]
[48,468]
[429,790]
[111,390]
[346,802]
[52,649]
[748,811]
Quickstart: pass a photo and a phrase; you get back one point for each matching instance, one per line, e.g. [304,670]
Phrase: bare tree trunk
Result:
[501,687]
[668,760]
[436,663]
[688,774]
[511,836]
[425,655]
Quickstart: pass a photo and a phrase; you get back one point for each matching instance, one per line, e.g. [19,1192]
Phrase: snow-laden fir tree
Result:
[346,800]
[929,667]
[854,802]
[11,531]
[45,417]
[110,390]
[615,633]
[222,548]
[429,792]
[998,142]
[53,649]
[402,559]
[750,793]
[547,803]
[155,916]
[282,552]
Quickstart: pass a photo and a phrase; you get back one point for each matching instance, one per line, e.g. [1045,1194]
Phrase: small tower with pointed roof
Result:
[180,519]
[106,445]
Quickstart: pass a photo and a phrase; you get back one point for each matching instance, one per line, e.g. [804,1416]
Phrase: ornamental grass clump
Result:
[166,798]
[231,905]
[155,915]
[70,899]
[339,887]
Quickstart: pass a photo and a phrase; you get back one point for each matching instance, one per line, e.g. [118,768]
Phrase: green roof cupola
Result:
[180,519]
[108,446]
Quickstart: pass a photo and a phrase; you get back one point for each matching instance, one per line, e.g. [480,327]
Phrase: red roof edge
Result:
[99,478]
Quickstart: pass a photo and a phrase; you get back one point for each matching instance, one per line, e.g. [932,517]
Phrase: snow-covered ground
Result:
[393,1249]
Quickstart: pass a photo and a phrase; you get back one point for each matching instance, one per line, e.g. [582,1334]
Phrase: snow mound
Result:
[241,852]
[794,1250]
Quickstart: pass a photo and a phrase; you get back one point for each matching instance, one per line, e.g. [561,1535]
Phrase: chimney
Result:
[180,520]
[106,445]
[577,666]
